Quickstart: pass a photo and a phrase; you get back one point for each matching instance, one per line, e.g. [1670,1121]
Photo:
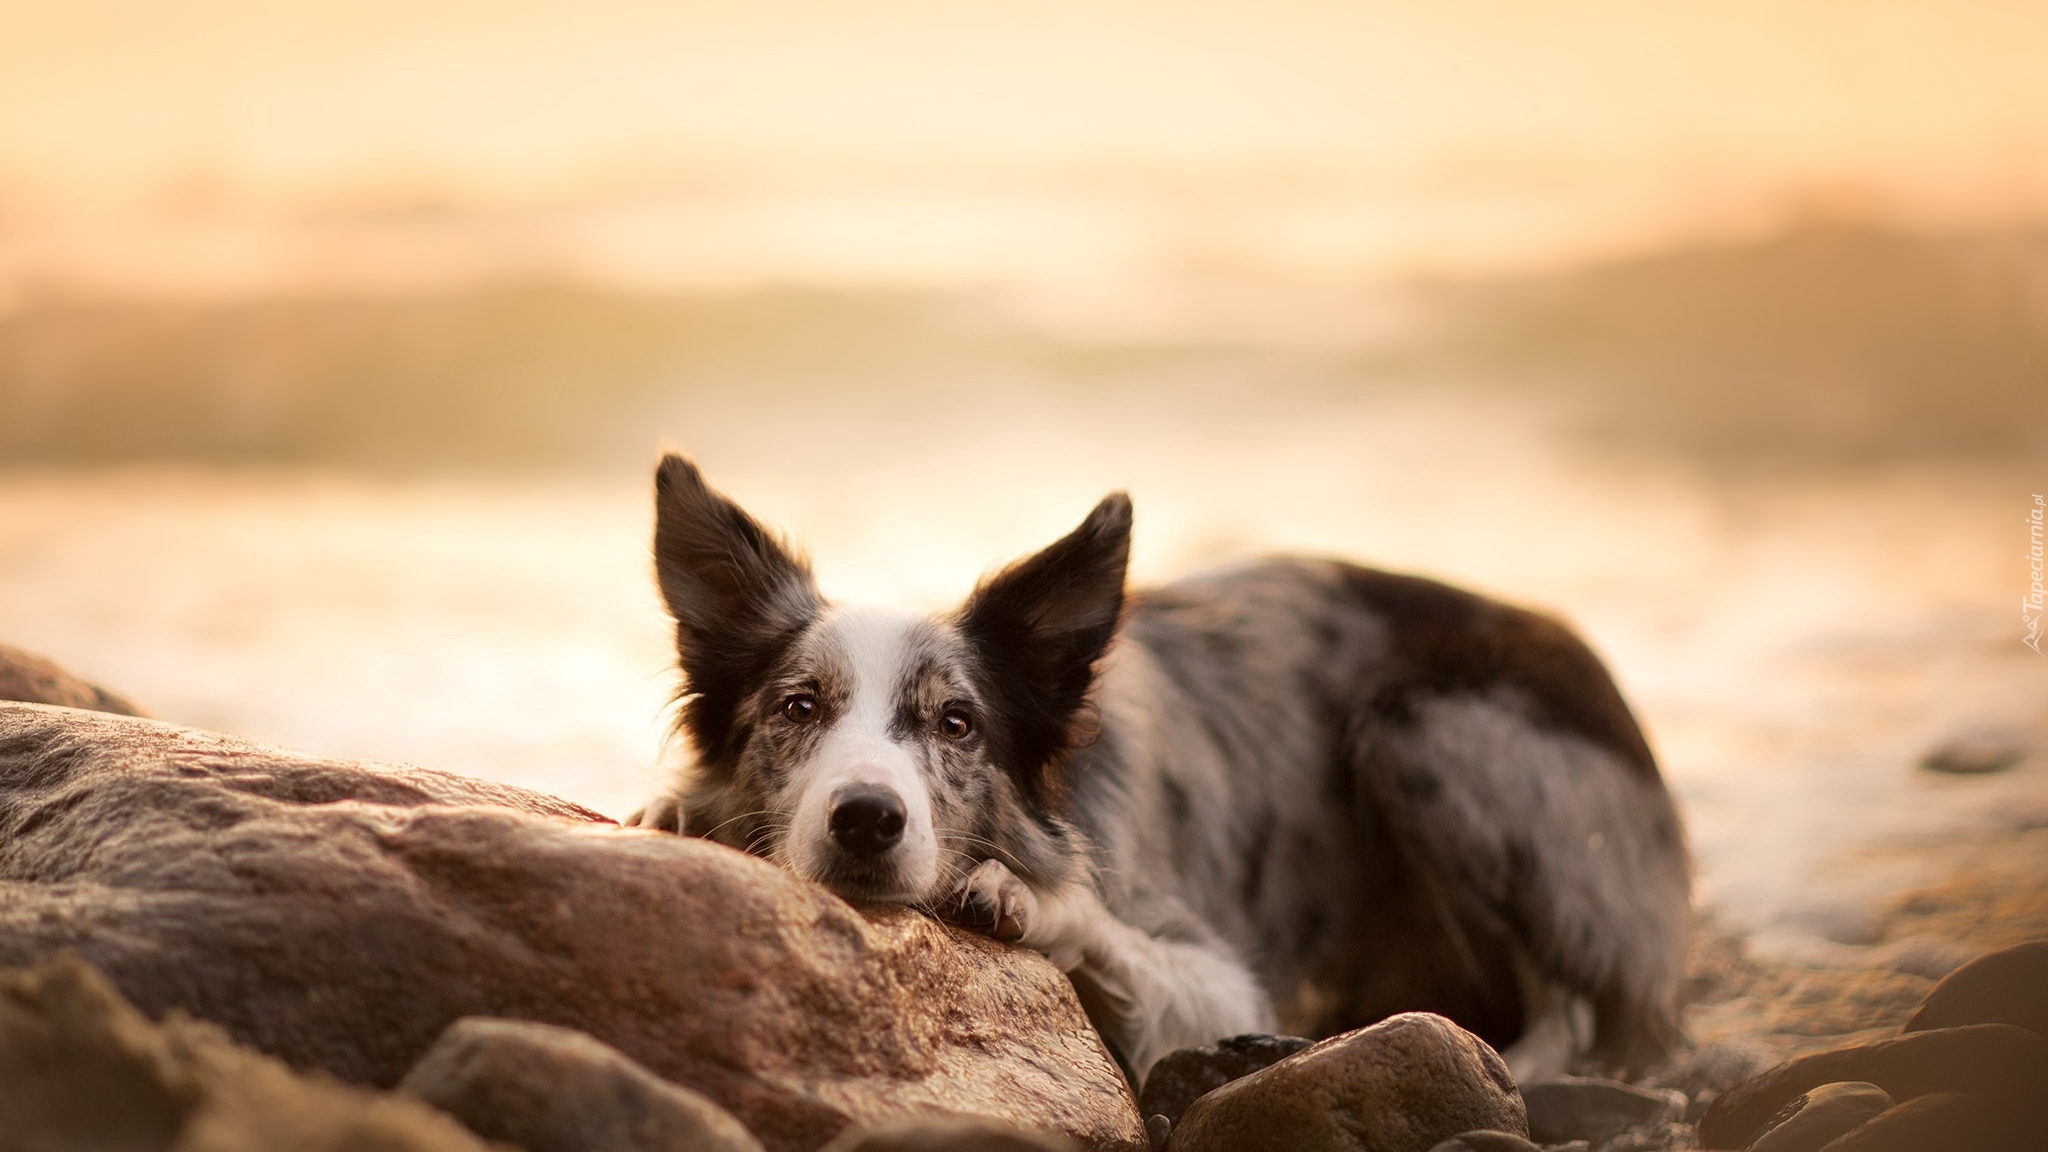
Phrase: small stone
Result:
[949,1134]
[1990,1059]
[1808,1123]
[1487,1140]
[1594,1110]
[1405,1084]
[1180,1078]
[2009,986]
[1158,1129]
[552,1089]
[1976,753]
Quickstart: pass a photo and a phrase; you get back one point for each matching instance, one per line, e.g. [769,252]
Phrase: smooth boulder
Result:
[1948,1122]
[1405,1084]
[1995,1060]
[341,915]
[2009,986]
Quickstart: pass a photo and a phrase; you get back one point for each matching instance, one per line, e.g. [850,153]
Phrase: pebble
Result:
[1182,1077]
[1975,753]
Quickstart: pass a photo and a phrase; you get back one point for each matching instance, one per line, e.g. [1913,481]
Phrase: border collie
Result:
[1295,793]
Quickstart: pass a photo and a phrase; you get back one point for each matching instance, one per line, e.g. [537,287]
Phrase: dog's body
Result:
[1299,790]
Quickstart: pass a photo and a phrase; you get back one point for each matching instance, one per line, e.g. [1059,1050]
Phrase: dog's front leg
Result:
[1157,994]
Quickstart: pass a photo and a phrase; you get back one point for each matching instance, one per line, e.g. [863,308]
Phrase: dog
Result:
[1294,793]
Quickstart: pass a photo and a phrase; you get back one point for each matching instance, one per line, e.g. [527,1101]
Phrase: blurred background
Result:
[337,341]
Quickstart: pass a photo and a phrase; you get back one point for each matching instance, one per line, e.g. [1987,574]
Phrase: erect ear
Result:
[1038,627]
[737,595]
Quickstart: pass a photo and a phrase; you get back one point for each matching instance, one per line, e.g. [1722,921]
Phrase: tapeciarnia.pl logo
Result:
[2036,600]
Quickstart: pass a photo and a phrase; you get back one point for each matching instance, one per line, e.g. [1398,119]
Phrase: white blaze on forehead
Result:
[875,650]
[878,647]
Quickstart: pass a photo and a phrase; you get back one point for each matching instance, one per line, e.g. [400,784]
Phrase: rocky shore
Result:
[209,944]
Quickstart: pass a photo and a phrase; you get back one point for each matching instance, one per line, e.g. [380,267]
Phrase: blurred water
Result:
[1791,642]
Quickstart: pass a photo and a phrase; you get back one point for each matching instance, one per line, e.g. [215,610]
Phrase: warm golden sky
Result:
[1661,112]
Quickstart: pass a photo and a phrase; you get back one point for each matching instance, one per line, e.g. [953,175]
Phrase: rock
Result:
[81,1069]
[953,1134]
[1976,753]
[1594,1110]
[1487,1140]
[1992,1059]
[1948,1122]
[1157,1130]
[341,915]
[2009,986]
[34,680]
[1809,1122]
[1178,1079]
[551,1089]
[1405,1084]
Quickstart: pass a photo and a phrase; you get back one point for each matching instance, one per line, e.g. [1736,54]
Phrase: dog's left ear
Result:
[1038,627]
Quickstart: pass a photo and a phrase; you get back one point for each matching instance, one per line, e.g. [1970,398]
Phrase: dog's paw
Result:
[993,902]
[663,814]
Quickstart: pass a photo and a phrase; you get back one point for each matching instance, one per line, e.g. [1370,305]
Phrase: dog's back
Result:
[1384,794]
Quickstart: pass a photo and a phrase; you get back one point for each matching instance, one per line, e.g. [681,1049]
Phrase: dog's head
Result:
[882,753]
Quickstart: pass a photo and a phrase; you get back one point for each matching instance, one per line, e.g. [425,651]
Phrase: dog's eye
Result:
[955,725]
[800,708]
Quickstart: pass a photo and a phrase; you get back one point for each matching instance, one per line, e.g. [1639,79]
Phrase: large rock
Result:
[341,915]
[1993,1060]
[550,1089]
[26,677]
[82,1071]
[2009,986]
[1403,1085]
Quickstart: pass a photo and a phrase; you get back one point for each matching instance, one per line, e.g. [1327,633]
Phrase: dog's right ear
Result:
[737,595]
[1038,628]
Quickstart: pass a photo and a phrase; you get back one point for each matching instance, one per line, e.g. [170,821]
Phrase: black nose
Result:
[867,821]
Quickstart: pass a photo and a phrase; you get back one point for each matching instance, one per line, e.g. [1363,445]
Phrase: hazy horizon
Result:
[227,146]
